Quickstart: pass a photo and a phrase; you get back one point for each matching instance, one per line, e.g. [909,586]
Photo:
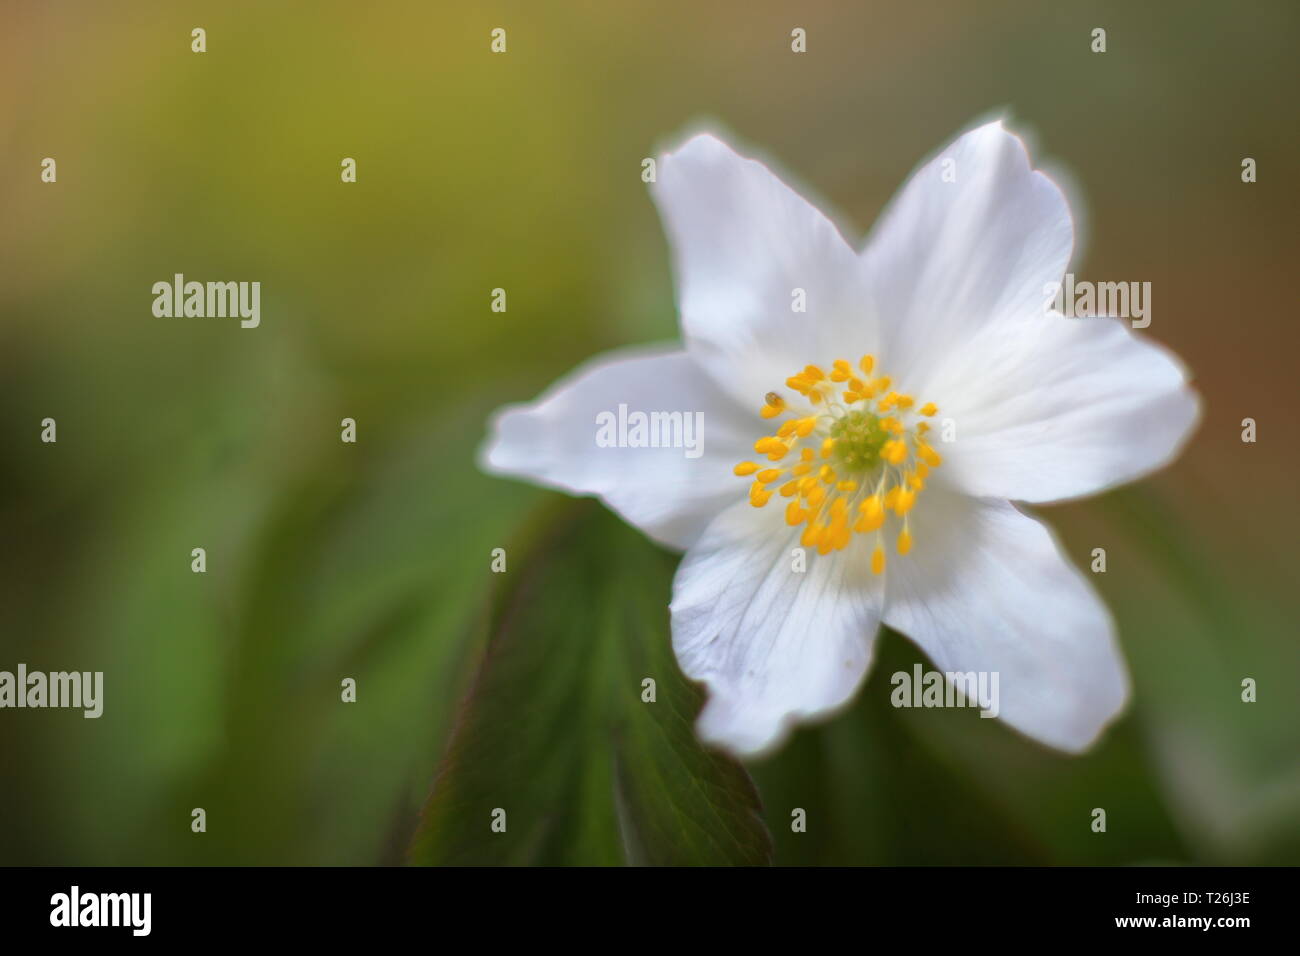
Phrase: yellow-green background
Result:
[523,171]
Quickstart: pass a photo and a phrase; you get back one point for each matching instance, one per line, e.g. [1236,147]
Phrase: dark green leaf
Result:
[555,732]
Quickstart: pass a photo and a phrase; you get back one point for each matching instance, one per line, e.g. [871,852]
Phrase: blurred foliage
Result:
[371,561]
[589,764]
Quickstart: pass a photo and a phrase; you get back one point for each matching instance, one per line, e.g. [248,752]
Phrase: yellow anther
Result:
[770,411]
[894,451]
[904,541]
[843,537]
[847,486]
[806,454]
[828,446]
[835,537]
[814,373]
[922,428]
[904,500]
[867,363]
[810,535]
[878,560]
[904,401]
[745,468]
[807,485]
[805,426]
[793,513]
[798,383]
[789,488]
[929,455]
[882,383]
[928,409]
[839,508]
[841,370]
[786,428]
[758,495]
[816,496]
[803,469]
[767,444]
[770,474]
[873,515]
[815,397]
[826,473]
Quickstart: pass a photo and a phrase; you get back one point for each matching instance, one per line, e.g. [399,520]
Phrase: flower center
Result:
[861,458]
[859,439]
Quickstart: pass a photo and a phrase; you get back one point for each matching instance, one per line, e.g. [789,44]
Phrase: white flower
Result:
[940,318]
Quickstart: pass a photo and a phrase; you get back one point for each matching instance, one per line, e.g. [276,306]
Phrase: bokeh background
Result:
[328,560]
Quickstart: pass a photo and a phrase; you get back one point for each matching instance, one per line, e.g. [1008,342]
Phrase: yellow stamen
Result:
[861,461]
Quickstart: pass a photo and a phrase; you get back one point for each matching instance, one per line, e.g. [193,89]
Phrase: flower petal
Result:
[662,491]
[986,588]
[972,238]
[1045,408]
[743,242]
[775,646]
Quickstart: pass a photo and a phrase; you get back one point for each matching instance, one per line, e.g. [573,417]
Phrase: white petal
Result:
[775,646]
[662,491]
[986,588]
[971,239]
[1046,407]
[742,242]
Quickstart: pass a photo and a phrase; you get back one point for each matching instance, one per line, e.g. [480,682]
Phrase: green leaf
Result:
[555,732]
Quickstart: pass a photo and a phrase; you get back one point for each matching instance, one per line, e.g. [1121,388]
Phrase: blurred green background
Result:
[328,560]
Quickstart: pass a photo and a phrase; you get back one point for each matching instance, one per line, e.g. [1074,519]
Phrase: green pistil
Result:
[859,438]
